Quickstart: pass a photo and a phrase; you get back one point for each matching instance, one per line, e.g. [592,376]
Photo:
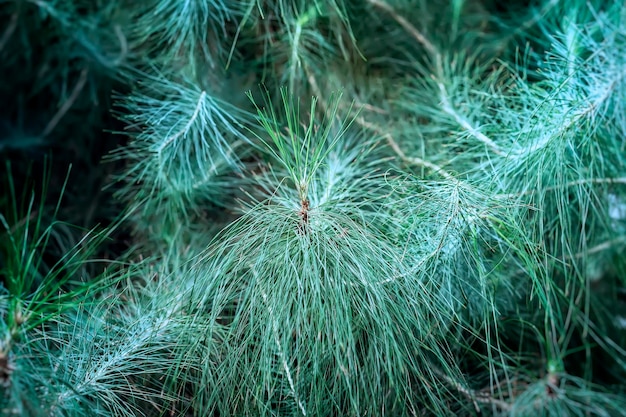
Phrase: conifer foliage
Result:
[313,208]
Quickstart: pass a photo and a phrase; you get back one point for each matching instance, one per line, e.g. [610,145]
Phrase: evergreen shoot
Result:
[313,208]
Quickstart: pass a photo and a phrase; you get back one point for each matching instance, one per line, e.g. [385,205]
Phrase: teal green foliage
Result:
[313,208]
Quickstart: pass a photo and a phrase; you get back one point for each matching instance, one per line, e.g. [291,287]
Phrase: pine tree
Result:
[313,208]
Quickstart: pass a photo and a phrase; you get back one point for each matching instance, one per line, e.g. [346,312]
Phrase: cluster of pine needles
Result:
[312,208]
